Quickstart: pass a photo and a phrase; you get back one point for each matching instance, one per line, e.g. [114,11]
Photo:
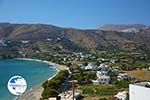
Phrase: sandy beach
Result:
[59,67]
[35,94]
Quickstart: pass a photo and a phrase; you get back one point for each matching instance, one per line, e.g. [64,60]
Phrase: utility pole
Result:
[73,89]
[73,86]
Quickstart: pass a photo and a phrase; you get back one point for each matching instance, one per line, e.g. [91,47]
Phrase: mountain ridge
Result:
[121,27]
[73,39]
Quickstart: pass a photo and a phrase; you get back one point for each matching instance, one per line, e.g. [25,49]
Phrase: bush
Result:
[54,84]
[102,99]
[82,76]
[44,85]
[122,84]
[49,93]
[88,91]
[100,90]
[51,86]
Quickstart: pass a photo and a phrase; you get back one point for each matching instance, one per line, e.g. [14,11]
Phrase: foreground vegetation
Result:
[103,92]
[51,87]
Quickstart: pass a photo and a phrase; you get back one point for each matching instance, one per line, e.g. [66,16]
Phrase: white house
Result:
[52,98]
[121,95]
[139,91]
[103,66]
[123,76]
[90,67]
[68,95]
[24,41]
[37,51]
[112,61]
[102,77]
[95,82]
[48,39]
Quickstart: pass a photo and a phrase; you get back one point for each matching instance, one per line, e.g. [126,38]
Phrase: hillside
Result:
[44,38]
[122,27]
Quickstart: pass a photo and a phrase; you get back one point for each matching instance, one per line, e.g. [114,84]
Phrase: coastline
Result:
[35,93]
[57,66]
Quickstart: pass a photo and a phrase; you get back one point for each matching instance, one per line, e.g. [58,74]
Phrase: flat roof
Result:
[143,84]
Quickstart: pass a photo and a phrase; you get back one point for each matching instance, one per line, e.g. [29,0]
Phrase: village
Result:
[99,78]
[100,75]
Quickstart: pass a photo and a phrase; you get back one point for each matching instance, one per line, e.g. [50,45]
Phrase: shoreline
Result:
[57,66]
[35,92]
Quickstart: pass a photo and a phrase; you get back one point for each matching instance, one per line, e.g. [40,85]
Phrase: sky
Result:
[75,13]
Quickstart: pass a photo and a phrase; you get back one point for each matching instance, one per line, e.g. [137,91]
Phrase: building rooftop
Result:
[143,84]
[121,95]
[69,95]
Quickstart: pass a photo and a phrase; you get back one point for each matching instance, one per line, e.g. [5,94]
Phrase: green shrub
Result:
[51,86]
[44,85]
[122,84]
[103,99]
[49,93]
[88,91]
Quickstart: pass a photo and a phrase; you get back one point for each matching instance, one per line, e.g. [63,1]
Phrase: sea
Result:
[34,72]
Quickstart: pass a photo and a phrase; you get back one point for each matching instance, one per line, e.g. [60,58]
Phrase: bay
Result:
[34,73]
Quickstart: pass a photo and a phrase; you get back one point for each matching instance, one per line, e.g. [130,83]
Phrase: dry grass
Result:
[140,74]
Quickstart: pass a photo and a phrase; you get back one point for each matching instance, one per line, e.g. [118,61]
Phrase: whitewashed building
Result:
[52,98]
[103,77]
[139,91]
[68,95]
[103,65]
[123,76]
[90,66]
[121,95]
[24,41]
[95,82]
[2,43]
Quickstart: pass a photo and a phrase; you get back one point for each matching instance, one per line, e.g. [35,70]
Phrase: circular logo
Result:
[17,85]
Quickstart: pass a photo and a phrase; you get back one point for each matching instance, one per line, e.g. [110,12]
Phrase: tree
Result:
[44,85]
[49,93]
[54,84]
[51,86]
[97,63]
[122,84]
[85,63]
[68,64]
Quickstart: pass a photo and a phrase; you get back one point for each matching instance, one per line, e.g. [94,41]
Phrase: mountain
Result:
[123,28]
[48,38]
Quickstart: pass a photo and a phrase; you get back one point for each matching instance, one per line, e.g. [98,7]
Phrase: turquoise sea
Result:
[34,73]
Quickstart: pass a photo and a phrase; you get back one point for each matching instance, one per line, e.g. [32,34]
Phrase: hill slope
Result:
[74,39]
